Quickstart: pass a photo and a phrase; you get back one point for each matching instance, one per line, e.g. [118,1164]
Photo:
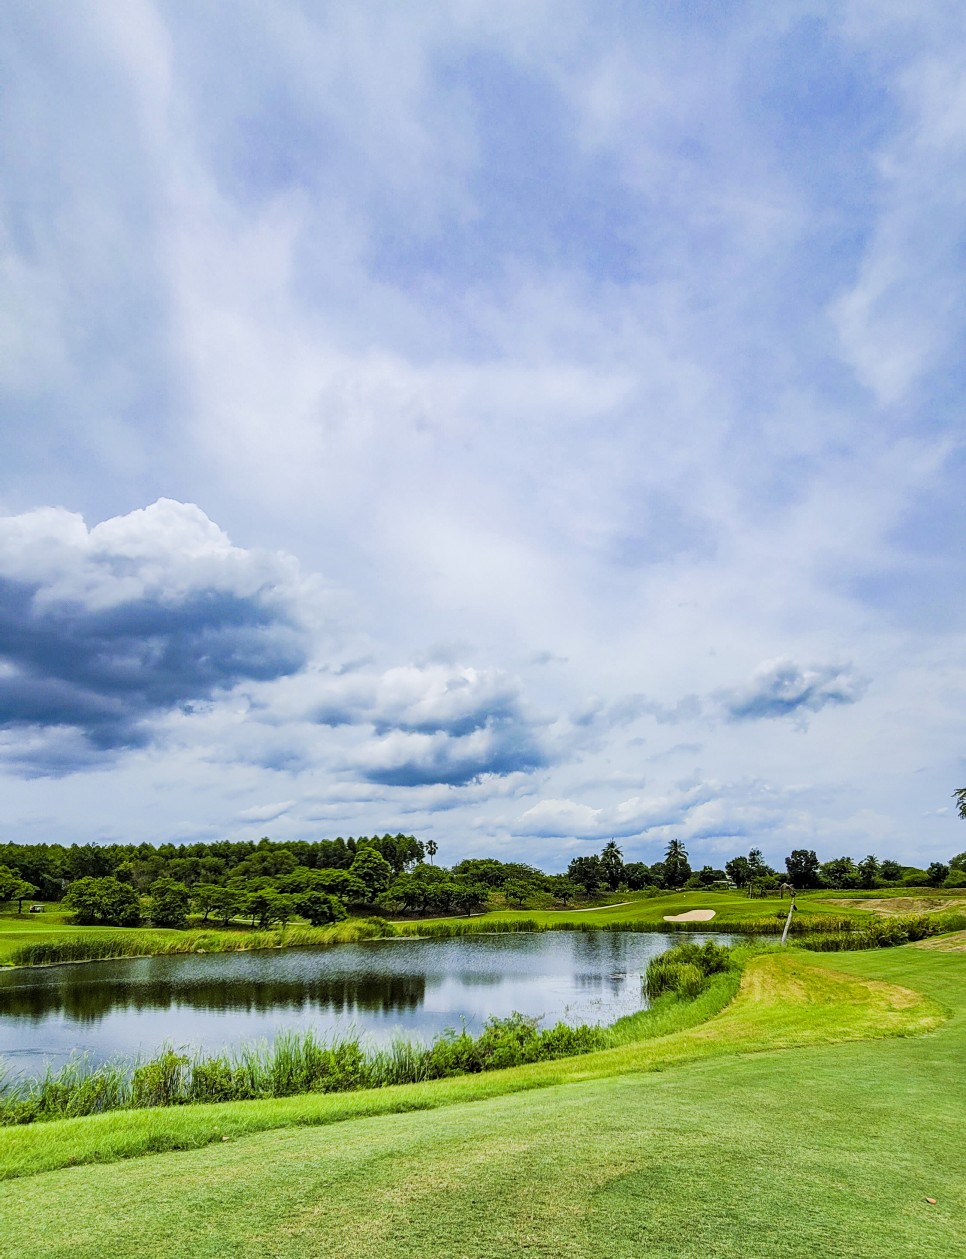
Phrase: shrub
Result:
[684,969]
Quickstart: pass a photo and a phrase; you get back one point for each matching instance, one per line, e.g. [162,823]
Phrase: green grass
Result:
[810,1116]
[798,1122]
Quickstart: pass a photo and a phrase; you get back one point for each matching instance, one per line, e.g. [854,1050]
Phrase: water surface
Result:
[377,988]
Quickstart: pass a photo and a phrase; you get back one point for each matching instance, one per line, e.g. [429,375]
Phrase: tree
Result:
[588,872]
[206,897]
[563,889]
[228,903]
[637,875]
[960,798]
[470,898]
[868,871]
[758,871]
[937,873]
[891,871]
[839,873]
[656,874]
[612,864]
[432,848]
[372,870]
[802,866]
[169,903]
[320,908]
[517,891]
[106,901]
[707,876]
[677,871]
[14,888]
[738,871]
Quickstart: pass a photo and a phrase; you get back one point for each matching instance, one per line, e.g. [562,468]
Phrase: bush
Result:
[684,969]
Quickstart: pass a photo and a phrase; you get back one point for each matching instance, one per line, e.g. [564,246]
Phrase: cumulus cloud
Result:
[103,629]
[422,700]
[781,688]
[413,725]
[634,816]
[407,759]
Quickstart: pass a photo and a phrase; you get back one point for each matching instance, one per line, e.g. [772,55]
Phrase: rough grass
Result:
[917,902]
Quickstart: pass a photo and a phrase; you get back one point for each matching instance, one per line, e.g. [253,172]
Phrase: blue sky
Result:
[518,424]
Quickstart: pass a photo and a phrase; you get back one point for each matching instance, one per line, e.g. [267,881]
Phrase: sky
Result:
[520,425]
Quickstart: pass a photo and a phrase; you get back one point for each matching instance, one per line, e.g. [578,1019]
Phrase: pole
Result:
[788,921]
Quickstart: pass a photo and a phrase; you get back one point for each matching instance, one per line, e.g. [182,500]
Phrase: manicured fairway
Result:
[810,1150]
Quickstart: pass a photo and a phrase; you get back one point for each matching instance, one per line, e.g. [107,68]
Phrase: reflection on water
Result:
[90,1002]
[416,987]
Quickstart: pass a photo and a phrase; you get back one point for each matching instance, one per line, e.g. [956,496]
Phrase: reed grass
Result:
[293,1063]
[884,933]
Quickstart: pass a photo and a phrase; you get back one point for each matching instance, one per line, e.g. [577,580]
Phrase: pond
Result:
[378,989]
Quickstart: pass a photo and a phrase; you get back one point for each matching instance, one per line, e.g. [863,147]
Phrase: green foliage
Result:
[372,870]
[677,870]
[170,901]
[106,900]
[685,969]
[321,908]
[296,1062]
[883,933]
[13,887]
[936,873]
[802,866]
[840,873]
[588,873]
[612,865]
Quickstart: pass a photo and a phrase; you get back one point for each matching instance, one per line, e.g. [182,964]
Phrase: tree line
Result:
[268,882]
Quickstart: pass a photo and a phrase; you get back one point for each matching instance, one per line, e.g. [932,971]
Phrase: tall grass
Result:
[685,969]
[884,933]
[136,943]
[295,1062]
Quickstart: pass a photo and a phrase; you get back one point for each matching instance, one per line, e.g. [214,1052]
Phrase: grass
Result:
[804,1123]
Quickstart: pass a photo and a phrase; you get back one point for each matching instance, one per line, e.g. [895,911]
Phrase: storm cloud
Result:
[103,629]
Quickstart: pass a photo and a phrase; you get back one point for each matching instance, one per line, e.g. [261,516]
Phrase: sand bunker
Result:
[693,915]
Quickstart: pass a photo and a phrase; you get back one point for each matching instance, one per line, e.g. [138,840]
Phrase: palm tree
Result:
[612,859]
[677,869]
[432,848]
